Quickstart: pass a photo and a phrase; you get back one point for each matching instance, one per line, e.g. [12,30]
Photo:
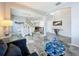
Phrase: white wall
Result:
[61,14]
[48,24]
[1,18]
[64,15]
[75,23]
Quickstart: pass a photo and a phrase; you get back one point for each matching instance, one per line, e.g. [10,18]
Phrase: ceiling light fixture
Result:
[58,3]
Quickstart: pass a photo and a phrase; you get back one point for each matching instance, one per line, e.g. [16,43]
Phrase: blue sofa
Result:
[15,48]
[22,45]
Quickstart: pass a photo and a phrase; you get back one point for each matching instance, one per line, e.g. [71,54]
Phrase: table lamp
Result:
[4,27]
[5,23]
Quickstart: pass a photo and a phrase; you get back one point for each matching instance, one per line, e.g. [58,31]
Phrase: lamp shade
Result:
[6,23]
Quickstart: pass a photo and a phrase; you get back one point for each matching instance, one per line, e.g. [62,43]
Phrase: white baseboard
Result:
[74,45]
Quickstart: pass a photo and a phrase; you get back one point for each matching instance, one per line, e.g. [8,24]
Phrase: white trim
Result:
[74,45]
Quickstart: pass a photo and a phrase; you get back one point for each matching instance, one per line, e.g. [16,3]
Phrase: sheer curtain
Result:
[19,26]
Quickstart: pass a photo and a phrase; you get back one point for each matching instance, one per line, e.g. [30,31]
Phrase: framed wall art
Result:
[57,23]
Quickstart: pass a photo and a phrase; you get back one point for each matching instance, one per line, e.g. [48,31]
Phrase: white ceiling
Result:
[41,7]
[47,7]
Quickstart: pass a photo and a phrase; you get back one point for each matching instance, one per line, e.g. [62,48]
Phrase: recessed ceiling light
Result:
[52,13]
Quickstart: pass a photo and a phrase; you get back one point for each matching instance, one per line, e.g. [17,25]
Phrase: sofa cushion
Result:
[3,48]
[22,45]
[13,50]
